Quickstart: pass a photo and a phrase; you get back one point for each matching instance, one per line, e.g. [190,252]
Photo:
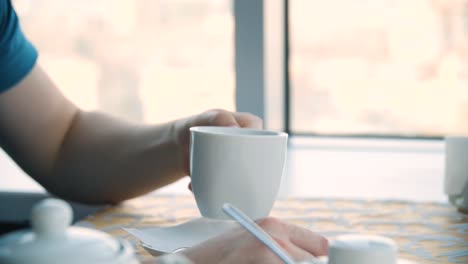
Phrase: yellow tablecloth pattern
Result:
[425,232]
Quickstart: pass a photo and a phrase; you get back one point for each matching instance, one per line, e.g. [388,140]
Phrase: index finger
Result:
[308,240]
[248,120]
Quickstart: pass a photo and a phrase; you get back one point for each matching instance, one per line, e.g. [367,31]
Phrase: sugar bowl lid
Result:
[52,240]
[361,249]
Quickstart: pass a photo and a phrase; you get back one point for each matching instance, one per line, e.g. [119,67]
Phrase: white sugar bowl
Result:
[53,241]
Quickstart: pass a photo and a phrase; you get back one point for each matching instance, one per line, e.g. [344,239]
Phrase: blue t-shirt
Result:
[17,54]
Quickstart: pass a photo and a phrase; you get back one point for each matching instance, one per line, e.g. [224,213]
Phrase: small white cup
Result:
[362,249]
[239,166]
[456,171]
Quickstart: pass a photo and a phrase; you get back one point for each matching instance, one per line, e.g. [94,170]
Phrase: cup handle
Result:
[455,200]
[460,201]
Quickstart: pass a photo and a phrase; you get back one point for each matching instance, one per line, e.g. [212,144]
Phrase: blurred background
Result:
[144,60]
[372,68]
[391,67]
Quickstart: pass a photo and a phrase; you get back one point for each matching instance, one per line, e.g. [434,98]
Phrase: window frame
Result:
[261,63]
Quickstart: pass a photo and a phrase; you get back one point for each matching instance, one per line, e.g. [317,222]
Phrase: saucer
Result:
[163,240]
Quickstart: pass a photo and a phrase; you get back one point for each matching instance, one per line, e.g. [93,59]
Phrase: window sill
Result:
[365,169]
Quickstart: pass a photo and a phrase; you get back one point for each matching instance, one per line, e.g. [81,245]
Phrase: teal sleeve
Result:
[17,55]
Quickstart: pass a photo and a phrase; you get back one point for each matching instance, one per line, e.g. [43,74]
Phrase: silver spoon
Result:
[257,232]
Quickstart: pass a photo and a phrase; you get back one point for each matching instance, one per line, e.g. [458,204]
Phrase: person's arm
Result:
[90,156]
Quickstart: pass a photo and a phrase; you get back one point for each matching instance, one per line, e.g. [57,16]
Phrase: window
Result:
[151,60]
[336,67]
[378,67]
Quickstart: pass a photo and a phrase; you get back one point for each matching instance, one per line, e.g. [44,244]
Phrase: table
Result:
[425,232]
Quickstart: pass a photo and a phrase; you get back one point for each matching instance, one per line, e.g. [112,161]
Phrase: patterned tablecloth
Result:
[425,232]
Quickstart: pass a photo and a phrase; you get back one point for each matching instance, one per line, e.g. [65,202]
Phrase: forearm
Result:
[103,159]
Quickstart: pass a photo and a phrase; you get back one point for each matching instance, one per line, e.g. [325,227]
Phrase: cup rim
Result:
[237,131]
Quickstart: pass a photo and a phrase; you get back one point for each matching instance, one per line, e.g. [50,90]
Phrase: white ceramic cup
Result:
[362,249]
[456,171]
[239,166]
